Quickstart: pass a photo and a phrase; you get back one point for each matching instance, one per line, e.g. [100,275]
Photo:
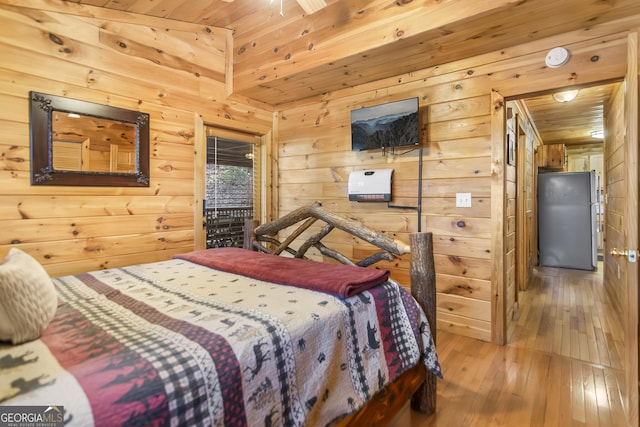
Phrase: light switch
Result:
[463,200]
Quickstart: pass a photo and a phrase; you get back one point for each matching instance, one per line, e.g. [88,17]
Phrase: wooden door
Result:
[621,219]
[524,206]
[499,198]
[630,223]
[202,157]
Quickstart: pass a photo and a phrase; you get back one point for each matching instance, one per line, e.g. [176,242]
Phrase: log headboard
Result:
[422,271]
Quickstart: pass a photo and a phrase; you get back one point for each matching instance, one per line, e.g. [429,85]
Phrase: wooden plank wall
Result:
[315,159]
[176,71]
[521,200]
[168,69]
[511,301]
[528,143]
[631,396]
[616,190]
[530,203]
[621,202]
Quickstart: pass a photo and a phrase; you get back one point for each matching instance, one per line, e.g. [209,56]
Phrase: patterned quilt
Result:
[178,344]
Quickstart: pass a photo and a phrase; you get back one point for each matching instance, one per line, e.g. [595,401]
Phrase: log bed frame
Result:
[416,384]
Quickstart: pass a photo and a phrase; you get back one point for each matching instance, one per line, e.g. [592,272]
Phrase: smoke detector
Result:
[557,57]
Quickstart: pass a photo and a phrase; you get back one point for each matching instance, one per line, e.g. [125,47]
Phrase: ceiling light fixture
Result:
[566,96]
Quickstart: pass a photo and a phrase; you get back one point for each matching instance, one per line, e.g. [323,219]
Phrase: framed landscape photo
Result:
[511,150]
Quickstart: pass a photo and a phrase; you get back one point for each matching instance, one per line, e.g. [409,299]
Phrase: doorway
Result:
[615,161]
[229,185]
[229,191]
[554,133]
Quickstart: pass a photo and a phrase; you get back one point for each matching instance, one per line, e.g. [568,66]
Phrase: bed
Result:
[231,336]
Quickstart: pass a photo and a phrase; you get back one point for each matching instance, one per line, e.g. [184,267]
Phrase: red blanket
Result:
[337,279]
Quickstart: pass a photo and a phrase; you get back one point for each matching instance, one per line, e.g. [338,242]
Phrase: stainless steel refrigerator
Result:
[567,235]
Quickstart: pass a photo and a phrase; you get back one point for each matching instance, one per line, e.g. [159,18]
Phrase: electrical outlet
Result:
[463,200]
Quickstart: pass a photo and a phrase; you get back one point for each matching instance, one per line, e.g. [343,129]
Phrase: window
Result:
[231,189]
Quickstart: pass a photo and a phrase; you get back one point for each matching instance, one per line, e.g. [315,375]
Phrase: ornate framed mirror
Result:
[77,142]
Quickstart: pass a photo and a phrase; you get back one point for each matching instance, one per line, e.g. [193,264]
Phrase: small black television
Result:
[385,126]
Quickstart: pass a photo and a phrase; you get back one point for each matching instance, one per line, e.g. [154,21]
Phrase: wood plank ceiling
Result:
[571,123]
[287,51]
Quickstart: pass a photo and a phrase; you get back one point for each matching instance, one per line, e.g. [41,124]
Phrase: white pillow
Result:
[28,299]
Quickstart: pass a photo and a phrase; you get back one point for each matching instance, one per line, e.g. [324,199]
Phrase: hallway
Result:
[561,367]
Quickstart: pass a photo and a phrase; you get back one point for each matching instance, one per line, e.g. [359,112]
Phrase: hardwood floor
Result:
[561,366]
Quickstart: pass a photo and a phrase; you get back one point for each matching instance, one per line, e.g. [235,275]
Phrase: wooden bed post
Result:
[423,289]
[250,226]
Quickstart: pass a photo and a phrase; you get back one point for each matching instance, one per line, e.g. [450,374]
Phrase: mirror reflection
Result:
[92,144]
[76,142]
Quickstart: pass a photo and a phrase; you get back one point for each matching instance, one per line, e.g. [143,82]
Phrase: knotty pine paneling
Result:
[463,325]
[30,206]
[463,246]
[37,230]
[170,72]
[173,71]
[510,238]
[464,286]
[616,192]
[315,159]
